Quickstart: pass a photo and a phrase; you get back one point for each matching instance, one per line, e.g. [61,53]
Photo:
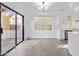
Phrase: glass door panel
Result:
[19,28]
[8,26]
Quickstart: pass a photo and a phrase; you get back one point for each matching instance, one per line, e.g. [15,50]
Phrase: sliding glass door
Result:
[11,29]
[8,26]
[19,28]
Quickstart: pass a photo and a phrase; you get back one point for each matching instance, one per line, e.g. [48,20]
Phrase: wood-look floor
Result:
[41,47]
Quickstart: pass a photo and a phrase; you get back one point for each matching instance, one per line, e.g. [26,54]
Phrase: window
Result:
[43,23]
[77,25]
[71,21]
[9,23]
[77,22]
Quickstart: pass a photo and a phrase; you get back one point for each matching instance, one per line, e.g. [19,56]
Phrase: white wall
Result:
[59,24]
[29,11]
[43,33]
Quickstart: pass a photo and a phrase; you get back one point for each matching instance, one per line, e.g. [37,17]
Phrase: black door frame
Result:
[0,30]
[1,4]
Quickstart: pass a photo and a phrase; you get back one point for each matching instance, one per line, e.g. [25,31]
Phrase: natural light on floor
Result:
[63,46]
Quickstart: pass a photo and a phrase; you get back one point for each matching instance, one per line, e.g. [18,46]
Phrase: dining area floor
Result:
[41,47]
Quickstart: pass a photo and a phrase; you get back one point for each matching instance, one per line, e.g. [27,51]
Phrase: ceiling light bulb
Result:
[71,6]
[42,6]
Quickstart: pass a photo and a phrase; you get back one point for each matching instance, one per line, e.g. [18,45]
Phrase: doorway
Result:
[11,29]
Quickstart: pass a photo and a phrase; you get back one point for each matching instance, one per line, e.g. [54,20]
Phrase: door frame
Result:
[1,4]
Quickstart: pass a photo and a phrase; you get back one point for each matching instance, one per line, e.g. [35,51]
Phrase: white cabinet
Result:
[73,43]
[60,35]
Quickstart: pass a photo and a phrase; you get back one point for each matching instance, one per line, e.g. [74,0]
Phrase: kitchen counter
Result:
[73,43]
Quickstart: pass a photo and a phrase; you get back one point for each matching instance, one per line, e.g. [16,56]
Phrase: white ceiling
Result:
[53,7]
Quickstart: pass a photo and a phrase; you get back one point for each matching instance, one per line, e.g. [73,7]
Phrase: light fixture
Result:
[43,7]
[71,4]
